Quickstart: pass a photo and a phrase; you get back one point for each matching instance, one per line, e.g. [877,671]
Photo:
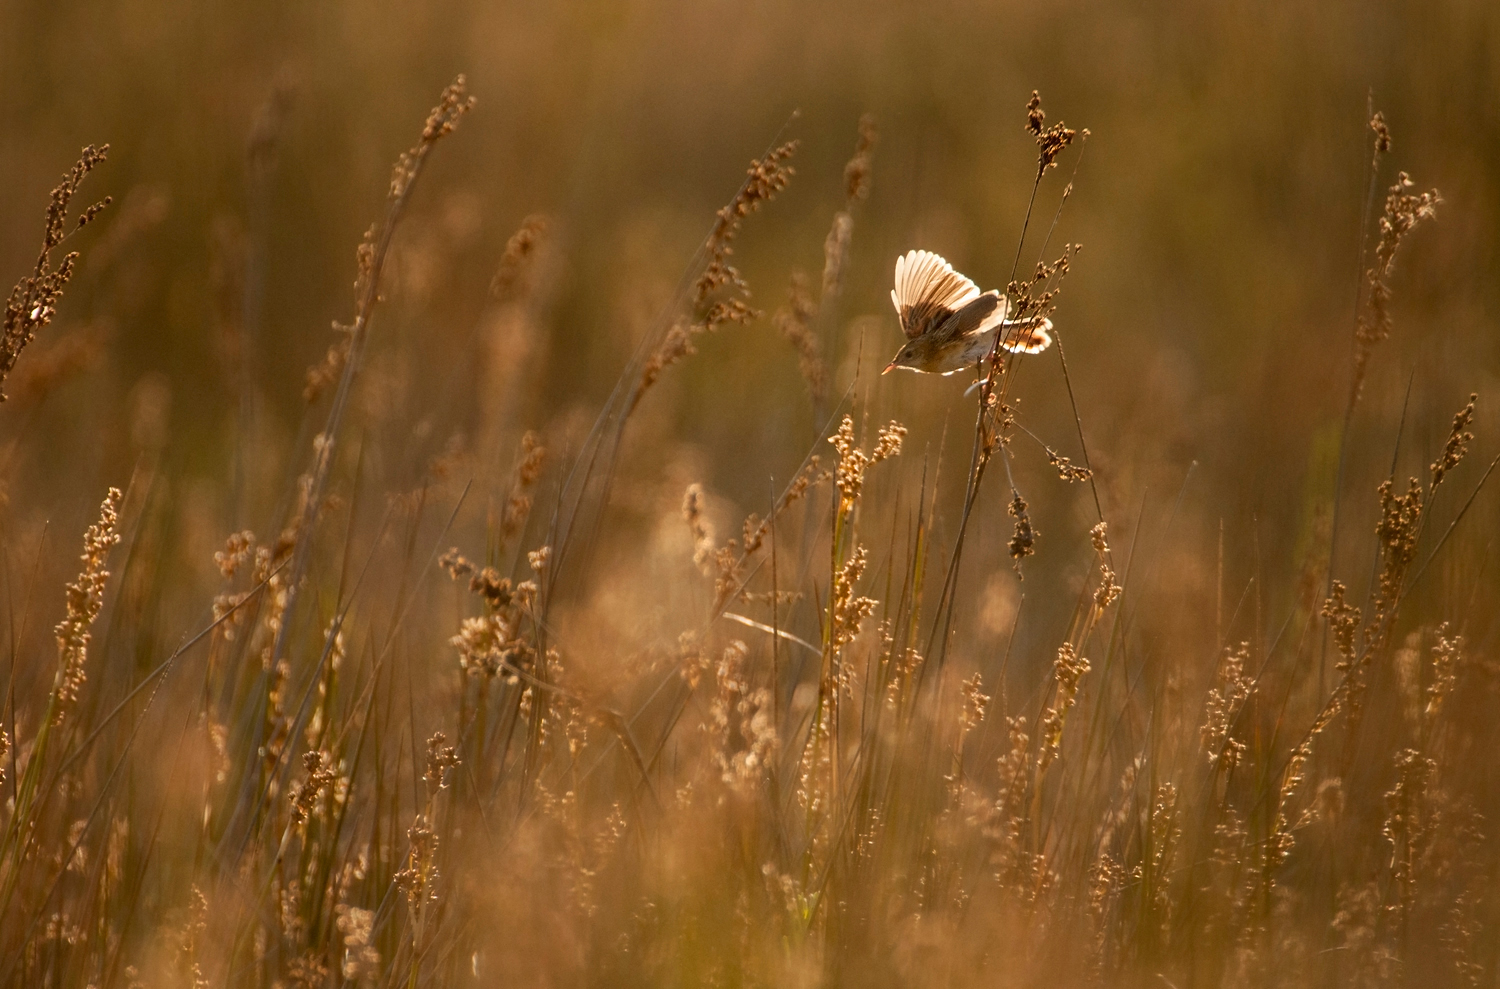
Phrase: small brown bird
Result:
[949,324]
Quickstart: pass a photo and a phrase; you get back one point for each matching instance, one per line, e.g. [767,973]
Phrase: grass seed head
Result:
[857,171]
[1457,445]
[513,275]
[304,795]
[1050,141]
[1404,210]
[518,504]
[1382,133]
[1226,698]
[85,597]
[33,300]
[1023,535]
[795,321]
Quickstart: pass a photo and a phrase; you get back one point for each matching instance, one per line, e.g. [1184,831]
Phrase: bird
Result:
[949,324]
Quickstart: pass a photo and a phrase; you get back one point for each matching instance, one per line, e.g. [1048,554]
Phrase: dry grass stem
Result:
[584,721]
[720,294]
[85,596]
[33,301]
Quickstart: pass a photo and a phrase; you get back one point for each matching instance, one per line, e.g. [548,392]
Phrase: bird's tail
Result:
[1026,336]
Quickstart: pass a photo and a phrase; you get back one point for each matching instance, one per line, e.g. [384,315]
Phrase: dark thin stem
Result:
[1035,185]
[1078,422]
[358,336]
[1452,525]
[1359,289]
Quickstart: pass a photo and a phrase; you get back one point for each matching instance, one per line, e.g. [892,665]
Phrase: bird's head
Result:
[912,355]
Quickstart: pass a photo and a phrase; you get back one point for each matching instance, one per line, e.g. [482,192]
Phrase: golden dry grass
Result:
[457,660]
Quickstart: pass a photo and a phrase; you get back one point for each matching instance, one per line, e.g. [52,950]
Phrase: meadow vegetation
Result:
[513,683]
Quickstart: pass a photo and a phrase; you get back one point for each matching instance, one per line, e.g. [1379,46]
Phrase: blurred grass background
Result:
[1207,320]
[1218,205]
[1218,202]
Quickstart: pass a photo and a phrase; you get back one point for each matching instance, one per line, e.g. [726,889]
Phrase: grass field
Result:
[584,607]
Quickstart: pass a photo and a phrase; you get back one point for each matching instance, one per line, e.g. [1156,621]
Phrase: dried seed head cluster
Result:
[1446,655]
[1036,297]
[189,939]
[325,374]
[1382,133]
[1404,209]
[370,255]
[1050,141]
[812,473]
[1067,672]
[856,190]
[720,295]
[1459,439]
[1009,811]
[455,563]
[85,596]
[1023,537]
[692,661]
[1402,517]
[729,564]
[442,759]
[1065,468]
[857,171]
[975,704]
[33,300]
[997,420]
[237,551]
[1283,832]
[512,276]
[491,642]
[798,321]
[528,471]
[1343,621]
[1399,527]
[1109,588]
[361,962]
[1106,878]
[848,609]
[853,462]
[836,254]
[442,120]
[1409,822]
[304,795]
[418,877]
[701,529]
[1225,699]
[795,321]
[739,708]
[485,646]
[765,178]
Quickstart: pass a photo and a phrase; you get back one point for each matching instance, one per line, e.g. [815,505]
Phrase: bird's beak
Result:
[889,368]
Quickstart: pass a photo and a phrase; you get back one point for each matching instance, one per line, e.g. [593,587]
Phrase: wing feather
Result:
[928,291]
[974,317]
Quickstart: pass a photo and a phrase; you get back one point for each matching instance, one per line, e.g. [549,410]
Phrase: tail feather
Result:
[1026,336]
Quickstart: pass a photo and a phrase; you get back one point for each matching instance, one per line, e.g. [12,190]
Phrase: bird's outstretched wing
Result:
[979,315]
[928,291]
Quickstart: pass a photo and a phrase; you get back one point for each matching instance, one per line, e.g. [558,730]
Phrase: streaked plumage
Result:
[949,323]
